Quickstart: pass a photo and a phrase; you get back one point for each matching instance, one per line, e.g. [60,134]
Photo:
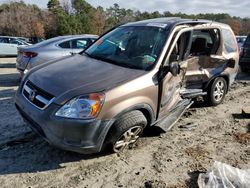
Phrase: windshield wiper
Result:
[129,66]
[102,59]
[112,61]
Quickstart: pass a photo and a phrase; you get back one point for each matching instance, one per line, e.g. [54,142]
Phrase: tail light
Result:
[29,54]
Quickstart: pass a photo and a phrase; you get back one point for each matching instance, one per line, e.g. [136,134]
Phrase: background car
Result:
[240,42]
[8,45]
[35,40]
[245,56]
[25,39]
[50,49]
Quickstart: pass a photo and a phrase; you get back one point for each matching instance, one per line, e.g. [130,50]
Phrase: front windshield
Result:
[130,46]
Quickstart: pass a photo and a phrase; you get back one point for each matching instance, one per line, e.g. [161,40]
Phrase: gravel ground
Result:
[170,160]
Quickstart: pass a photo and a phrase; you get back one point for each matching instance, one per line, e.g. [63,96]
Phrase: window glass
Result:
[4,40]
[79,43]
[15,41]
[229,41]
[65,44]
[131,46]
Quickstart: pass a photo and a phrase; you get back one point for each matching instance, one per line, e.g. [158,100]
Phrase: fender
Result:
[144,108]
[209,82]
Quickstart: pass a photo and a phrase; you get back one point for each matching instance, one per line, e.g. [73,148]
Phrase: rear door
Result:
[171,85]
[212,48]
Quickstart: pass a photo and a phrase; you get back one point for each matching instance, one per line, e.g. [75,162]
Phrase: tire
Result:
[217,91]
[126,131]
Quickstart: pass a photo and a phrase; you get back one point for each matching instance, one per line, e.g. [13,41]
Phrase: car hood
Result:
[78,74]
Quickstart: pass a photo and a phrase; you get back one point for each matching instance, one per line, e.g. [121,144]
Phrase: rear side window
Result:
[14,41]
[80,43]
[65,44]
[229,40]
[4,40]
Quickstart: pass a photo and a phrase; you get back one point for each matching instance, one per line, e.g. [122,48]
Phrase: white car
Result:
[8,45]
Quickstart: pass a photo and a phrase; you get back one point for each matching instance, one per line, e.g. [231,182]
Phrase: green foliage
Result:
[53,4]
[79,17]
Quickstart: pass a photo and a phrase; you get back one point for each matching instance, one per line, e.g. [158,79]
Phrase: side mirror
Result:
[174,68]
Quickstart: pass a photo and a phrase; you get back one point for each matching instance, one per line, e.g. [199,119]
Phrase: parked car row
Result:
[31,56]
[137,75]
[8,45]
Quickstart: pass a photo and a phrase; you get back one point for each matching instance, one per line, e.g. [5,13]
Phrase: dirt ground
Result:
[170,160]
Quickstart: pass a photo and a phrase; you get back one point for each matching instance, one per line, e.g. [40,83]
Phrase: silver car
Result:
[51,49]
[9,45]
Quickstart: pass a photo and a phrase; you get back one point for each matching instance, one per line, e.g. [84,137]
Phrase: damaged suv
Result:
[139,74]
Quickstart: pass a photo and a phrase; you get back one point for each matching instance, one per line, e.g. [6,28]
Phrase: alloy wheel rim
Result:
[127,139]
[219,91]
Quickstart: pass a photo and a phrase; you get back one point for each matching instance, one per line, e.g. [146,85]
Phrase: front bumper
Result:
[83,136]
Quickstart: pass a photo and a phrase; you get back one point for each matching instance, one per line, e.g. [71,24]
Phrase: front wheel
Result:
[217,91]
[126,130]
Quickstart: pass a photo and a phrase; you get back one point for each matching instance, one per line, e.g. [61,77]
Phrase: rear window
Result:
[79,43]
[229,41]
[65,44]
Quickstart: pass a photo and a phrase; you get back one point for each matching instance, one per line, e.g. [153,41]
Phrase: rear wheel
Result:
[126,131]
[217,91]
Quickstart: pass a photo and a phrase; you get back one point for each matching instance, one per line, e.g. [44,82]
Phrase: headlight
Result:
[82,107]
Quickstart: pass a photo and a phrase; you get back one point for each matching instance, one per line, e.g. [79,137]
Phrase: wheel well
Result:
[212,80]
[148,115]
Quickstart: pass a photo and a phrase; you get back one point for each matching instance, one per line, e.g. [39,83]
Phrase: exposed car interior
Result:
[205,42]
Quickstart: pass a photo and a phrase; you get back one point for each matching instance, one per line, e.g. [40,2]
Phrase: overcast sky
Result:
[235,8]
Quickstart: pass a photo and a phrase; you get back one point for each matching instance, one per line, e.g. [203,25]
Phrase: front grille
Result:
[36,96]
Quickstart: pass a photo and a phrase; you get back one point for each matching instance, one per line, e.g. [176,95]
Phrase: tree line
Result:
[78,17]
